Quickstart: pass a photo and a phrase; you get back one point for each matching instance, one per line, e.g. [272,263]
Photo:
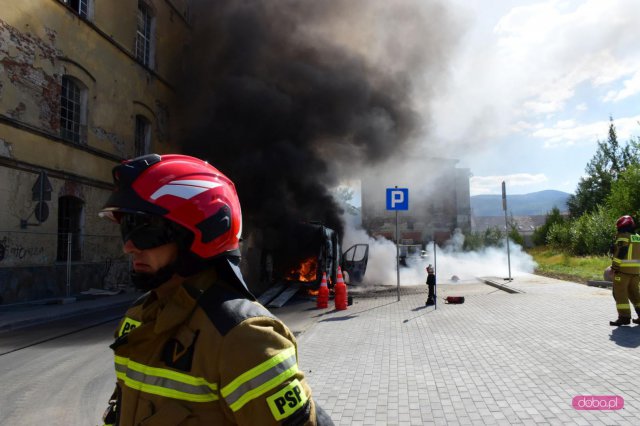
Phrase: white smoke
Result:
[450,261]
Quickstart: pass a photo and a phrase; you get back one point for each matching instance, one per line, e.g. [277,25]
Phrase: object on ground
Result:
[322,301]
[340,291]
[454,300]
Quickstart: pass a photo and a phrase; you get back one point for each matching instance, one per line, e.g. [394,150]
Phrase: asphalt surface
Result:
[516,352]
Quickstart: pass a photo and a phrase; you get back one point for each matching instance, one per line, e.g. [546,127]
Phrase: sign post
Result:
[397,199]
[506,224]
[435,272]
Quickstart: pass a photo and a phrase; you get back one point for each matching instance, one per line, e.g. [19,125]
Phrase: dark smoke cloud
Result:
[283,95]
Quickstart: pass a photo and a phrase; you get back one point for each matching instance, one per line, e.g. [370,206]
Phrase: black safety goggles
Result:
[145,231]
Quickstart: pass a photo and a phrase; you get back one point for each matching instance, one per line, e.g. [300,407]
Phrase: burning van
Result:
[313,249]
[296,259]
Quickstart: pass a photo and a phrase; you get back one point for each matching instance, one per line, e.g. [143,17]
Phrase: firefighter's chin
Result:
[147,282]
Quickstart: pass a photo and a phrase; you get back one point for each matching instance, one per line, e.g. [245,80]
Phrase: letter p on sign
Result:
[397,198]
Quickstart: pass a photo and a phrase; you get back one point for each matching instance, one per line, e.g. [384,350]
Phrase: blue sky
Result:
[532,85]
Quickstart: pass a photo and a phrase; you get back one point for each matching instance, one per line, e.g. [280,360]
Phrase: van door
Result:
[354,261]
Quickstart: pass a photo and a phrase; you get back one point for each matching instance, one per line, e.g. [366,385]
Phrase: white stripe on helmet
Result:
[186,189]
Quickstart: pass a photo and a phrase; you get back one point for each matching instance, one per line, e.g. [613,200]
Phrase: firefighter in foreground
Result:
[196,348]
[626,271]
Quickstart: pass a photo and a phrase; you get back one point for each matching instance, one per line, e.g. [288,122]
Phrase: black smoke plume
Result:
[283,95]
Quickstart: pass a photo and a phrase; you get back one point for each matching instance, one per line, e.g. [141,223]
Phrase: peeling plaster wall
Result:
[31,90]
[40,42]
[43,41]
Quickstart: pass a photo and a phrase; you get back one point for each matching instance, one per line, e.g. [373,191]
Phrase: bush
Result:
[515,236]
[594,232]
[590,234]
[540,234]
[491,237]
[559,236]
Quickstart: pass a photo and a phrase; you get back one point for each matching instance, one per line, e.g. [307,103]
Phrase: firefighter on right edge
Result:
[626,271]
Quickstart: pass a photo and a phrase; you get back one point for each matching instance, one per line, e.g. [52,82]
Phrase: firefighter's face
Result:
[150,261]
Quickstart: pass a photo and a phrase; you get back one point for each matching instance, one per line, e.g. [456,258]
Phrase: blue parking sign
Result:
[397,198]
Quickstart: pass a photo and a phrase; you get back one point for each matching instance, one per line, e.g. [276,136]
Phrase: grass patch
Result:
[555,264]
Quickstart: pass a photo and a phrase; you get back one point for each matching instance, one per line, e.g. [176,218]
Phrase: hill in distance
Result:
[533,204]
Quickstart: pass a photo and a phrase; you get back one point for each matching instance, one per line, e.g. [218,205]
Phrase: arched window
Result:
[73,110]
[70,215]
[142,136]
[144,34]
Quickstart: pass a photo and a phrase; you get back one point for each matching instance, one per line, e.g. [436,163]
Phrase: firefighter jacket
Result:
[197,351]
[626,253]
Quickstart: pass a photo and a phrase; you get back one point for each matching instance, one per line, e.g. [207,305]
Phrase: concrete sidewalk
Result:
[499,358]
[13,317]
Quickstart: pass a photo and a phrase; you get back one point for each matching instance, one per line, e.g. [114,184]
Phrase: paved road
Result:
[499,358]
[63,381]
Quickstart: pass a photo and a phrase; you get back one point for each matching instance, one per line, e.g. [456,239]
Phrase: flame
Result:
[305,272]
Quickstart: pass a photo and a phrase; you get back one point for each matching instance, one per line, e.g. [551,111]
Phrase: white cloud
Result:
[631,88]
[529,63]
[568,132]
[493,184]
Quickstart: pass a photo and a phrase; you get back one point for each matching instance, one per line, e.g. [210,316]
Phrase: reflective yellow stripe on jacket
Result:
[631,262]
[260,379]
[163,382]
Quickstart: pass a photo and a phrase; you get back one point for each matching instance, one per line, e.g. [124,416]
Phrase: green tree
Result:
[540,234]
[609,161]
[625,193]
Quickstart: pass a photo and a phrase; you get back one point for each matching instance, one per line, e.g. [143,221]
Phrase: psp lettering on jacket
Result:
[287,400]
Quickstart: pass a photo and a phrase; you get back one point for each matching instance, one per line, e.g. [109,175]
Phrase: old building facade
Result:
[439,201]
[83,85]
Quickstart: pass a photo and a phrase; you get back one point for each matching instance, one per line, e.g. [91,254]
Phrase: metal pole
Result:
[69,264]
[506,224]
[508,251]
[435,286]
[397,256]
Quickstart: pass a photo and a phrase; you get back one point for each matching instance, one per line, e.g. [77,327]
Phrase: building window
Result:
[142,136]
[69,224]
[80,7]
[72,111]
[143,34]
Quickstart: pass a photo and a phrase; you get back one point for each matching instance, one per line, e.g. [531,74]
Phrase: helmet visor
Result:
[144,231]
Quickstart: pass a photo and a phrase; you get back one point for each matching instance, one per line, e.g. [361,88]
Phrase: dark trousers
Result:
[431,295]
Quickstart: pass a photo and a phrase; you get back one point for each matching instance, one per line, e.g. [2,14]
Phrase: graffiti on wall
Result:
[18,251]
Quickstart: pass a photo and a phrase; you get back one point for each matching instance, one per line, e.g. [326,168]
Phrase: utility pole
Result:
[506,225]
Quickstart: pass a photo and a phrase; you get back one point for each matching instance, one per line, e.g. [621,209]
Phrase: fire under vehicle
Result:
[309,250]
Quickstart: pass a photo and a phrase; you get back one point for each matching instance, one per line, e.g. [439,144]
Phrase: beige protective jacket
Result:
[198,352]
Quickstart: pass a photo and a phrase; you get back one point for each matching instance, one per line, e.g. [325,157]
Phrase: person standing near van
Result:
[431,284]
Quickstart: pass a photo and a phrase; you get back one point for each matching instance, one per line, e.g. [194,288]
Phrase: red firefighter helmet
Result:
[625,221]
[182,189]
